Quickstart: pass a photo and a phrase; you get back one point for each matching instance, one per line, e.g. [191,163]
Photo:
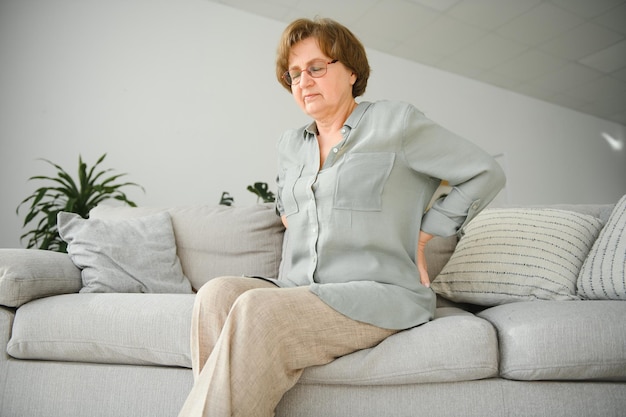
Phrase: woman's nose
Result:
[305,78]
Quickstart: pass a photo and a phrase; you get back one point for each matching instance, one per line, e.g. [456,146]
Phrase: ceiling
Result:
[568,52]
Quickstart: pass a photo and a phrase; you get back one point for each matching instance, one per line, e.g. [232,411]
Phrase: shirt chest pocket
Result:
[361,180]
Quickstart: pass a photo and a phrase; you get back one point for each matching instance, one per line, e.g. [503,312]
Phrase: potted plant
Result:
[71,195]
[260,189]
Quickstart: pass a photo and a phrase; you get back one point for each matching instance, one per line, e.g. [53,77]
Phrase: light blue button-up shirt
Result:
[354,224]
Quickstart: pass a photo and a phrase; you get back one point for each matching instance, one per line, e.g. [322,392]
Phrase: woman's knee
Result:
[261,305]
[221,290]
[251,299]
[213,284]
[227,289]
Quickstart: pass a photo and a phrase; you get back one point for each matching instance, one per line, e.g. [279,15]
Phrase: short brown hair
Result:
[334,39]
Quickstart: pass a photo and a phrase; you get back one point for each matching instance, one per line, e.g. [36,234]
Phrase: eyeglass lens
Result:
[316,69]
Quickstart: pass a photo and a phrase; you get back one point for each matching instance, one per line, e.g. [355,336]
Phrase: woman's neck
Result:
[329,134]
[328,126]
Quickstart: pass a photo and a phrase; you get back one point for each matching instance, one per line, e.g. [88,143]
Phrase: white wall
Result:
[181,95]
[551,154]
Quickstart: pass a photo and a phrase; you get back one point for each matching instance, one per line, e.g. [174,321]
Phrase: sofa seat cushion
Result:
[140,329]
[455,346]
[154,329]
[561,340]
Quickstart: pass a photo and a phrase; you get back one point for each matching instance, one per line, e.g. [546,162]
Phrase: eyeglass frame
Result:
[288,79]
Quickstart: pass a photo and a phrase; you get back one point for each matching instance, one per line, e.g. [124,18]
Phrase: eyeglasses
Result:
[317,69]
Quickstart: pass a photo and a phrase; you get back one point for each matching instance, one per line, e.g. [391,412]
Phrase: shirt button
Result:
[335,150]
[343,130]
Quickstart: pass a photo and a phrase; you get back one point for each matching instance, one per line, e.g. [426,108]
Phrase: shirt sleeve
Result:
[474,175]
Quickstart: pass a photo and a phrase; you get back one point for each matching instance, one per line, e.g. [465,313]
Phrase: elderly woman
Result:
[353,191]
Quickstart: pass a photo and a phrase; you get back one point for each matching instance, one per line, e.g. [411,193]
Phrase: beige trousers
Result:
[251,340]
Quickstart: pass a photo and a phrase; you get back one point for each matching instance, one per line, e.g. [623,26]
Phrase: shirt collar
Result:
[353,120]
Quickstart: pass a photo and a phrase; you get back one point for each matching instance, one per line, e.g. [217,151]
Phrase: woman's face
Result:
[323,97]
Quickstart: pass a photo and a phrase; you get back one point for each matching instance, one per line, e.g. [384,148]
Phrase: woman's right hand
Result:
[421,257]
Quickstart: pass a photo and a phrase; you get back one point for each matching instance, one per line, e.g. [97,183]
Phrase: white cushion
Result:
[124,255]
[455,346]
[518,254]
[139,329]
[561,340]
[603,275]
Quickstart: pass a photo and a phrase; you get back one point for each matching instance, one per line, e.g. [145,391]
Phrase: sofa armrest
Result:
[6,324]
[27,274]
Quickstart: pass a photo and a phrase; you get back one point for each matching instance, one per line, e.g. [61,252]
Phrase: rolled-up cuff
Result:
[437,224]
[449,215]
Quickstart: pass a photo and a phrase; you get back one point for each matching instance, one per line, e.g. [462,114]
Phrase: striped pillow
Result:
[602,276]
[518,254]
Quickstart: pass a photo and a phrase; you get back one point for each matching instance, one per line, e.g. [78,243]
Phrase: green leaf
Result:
[261,189]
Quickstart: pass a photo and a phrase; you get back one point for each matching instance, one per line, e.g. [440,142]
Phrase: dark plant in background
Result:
[68,194]
[260,189]
[226,199]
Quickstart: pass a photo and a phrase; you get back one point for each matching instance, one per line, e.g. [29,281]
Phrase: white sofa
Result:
[77,354]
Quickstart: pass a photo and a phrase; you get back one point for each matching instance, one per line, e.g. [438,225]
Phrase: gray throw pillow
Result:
[124,255]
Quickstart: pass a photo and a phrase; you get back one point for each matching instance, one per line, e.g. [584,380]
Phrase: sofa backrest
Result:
[214,241]
[219,240]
